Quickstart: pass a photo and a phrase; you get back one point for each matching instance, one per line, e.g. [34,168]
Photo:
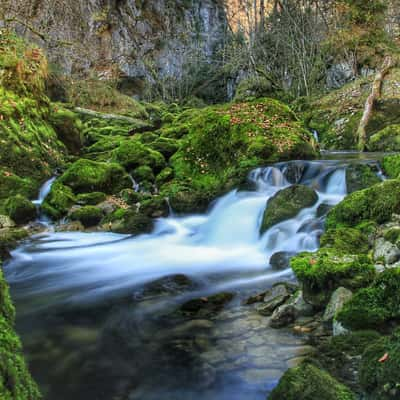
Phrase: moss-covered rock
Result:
[132,154]
[345,241]
[58,201]
[143,174]
[15,380]
[154,207]
[322,272]
[68,127]
[376,203]
[388,139]
[308,382]
[391,166]
[360,176]
[9,239]
[20,209]
[85,176]
[374,306]
[87,215]
[90,199]
[380,376]
[166,175]
[167,147]
[11,185]
[129,221]
[286,204]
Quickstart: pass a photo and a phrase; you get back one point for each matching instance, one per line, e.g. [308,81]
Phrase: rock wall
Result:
[138,39]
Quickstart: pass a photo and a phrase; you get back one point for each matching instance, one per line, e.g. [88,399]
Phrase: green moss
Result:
[68,127]
[166,175]
[90,198]
[167,147]
[58,201]
[252,88]
[11,185]
[391,166]
[388,139]
[20,209]
[287,203]
[143,173]
[308,382]
[374,306]
[15,380]
[360,176]
[129,222]
[345,240]
[85,176]
[9,239]
[392,235]
[132,154]
[376,203]
[322,272]
[88,215]
[155,207]
[381,380]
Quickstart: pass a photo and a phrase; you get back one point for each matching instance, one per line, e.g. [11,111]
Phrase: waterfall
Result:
[225,240]
[44,191]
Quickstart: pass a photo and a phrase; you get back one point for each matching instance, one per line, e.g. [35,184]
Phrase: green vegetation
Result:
[388,139]
[15,381]
[345,241]
[322,272]
[308,382]
[391,166]
[376,203]
[20,209]
[374,306]
[380,378]
[360,176]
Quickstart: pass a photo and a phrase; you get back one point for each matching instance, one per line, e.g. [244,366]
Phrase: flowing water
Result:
[99,312]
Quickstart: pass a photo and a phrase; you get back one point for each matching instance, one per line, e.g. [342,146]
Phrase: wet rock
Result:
[386,251]
[207,305]
[273,299]
[294,172]
[165,286]
[311,225]
[283,316]
[302,308]
[323,209]
[280,260]
[74,226]
[338,329]
[338,299]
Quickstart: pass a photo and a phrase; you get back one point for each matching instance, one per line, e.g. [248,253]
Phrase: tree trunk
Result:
[370,103]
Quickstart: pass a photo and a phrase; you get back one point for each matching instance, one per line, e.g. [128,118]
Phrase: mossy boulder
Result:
[323,272]
[9,239]
[166,175]
[11,185]
[132,154]
[374,306]
[90,199]
[391,165]
[308,382]
[85,176]
[154,207]
[129,221]
[88,215]
[20,209]
[380,376]
[60,199]
[143,174]
[360,176]
[387,139]
[167,147]
[376,203]
[345,240]
[68,127]
[286,204]
[15,380]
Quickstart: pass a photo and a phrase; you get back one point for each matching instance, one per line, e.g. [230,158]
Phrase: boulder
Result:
[386,251]
[338,299]
[6,222]
[273,299]
[286,204]
[280,260]
[283,316]
[20,209]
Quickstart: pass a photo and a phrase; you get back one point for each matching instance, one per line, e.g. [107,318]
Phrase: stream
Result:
[99,313]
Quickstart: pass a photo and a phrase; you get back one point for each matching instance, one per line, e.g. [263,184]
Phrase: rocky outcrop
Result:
[138,40]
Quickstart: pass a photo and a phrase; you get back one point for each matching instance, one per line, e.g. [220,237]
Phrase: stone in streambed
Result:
[280,260]
[286,204]
[338,299]
[207,305]
[273,299]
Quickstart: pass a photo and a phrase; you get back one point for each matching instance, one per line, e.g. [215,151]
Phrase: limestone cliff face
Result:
[139,39]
